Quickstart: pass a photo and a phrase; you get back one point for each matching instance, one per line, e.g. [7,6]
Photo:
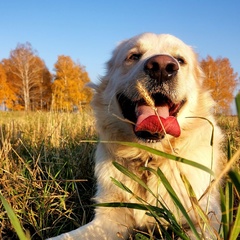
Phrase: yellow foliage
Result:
[28,78]
[221,79]
[69,87]
[7,96]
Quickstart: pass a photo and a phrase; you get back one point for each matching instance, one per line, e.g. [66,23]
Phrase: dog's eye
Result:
[134,56]
[180,60]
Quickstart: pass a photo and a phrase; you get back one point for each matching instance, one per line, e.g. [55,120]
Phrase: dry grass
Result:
[231,128]
[46,173]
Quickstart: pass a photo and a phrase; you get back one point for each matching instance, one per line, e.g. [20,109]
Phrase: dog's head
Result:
[150,81]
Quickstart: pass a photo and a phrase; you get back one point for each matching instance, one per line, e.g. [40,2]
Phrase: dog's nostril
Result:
[161,67]
[171,67]
[154,66]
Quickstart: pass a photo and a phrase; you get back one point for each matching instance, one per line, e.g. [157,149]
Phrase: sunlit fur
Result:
[193,143]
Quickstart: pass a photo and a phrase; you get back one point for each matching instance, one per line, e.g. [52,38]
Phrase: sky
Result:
[88,30]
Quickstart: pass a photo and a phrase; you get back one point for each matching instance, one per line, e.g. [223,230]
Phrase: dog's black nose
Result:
[161,67]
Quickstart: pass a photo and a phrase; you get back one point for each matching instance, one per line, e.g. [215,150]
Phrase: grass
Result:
[46,172]
[46,175]
[230,212]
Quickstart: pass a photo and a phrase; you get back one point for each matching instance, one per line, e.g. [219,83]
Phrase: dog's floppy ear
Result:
[197,70]
[99,87]
[200,75]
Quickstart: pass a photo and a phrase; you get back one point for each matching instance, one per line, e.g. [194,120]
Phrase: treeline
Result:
[222,80]
[27,84]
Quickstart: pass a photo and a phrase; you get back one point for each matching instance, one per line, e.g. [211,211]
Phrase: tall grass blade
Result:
[235,178]
[14,220]
[203,220]
[225,223]
[229,196]
[140,236]
[157,152]
[230,226]
[133,177]
[237,100]
[235,230]
[234,225]
[153,211]
[229,191]
[177,202]
[121,185]
[137,206]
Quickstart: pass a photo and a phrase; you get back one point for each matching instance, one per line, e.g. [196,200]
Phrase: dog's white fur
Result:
[193,143]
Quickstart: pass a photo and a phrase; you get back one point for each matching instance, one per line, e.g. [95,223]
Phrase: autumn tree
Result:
[41,94]
[7,96]
[69,86]
[222,80]
[28,77]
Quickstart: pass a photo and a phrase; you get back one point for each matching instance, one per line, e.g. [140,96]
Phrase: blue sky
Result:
[89,30]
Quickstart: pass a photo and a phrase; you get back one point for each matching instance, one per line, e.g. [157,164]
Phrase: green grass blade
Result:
[237,100]
[14,220]
[165,155]
[125,188]
[153,211]
[140,236]
[197,208]
[157,152]
[132,176]
[230,227]
[235,231]
[225,223]
[229,148]
[229,202]
[137,206]
[165,213]
[235,178]
[177,202]
[121,185]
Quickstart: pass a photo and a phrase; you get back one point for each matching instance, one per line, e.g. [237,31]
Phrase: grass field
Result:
[46,172]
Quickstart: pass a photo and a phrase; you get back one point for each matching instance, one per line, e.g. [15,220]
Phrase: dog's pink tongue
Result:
[148,121]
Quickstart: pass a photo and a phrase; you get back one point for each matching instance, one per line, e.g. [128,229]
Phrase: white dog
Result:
[152,94]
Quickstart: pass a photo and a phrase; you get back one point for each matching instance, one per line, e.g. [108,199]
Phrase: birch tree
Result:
[26,73]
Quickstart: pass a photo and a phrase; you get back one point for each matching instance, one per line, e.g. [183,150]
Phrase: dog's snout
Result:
[161,67]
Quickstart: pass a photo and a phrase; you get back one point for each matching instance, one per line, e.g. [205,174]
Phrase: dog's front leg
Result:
[108,224]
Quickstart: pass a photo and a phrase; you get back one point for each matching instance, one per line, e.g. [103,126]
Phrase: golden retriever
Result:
[153,94]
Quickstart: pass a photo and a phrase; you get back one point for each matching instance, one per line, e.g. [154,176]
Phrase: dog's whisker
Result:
[123,119]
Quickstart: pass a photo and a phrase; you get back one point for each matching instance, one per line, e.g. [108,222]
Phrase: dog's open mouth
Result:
[152,123]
